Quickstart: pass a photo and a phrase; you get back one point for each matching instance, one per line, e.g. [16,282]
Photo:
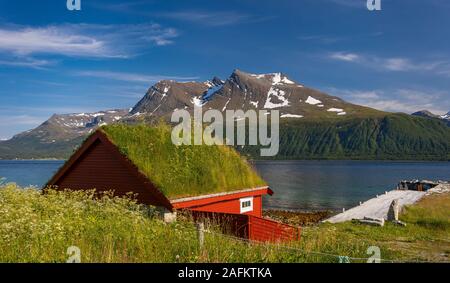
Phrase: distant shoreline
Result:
[279,160]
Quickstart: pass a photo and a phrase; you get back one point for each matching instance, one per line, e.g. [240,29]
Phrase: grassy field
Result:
[40,228]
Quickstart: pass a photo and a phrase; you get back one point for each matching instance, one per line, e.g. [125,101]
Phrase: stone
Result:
[166,215]
[393,211]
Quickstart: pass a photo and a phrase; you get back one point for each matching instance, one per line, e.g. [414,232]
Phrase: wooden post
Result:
[201,234]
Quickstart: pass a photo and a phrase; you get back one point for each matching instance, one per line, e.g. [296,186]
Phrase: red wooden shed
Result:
[112,159]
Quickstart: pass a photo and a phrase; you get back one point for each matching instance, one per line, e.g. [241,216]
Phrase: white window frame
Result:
[248,208]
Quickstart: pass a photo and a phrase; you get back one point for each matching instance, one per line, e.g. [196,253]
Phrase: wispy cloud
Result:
[325,39]
[397,100]
[350,3]
[394,64]
[20,120]
[131,77]
[208,18]
[198,16]
[334,38]
[78,40]
[344,56]
[27,62]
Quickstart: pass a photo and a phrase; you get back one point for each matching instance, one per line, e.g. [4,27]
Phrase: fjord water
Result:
[298,185]
[333,185]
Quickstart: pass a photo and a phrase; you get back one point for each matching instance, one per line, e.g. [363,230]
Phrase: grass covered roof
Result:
[182,171]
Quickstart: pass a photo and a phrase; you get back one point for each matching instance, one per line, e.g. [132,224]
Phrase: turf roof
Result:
[182,171]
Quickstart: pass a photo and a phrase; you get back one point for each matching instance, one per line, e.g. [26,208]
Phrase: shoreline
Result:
[285,160]
[298,218]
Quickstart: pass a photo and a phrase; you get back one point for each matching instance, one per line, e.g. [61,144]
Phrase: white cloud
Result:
[51,40]
[131,77]
[342,56]
[393,64]
[78,40]
[27,62]
[397,100]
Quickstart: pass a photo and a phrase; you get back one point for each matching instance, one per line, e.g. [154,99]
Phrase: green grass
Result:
[182,171]
[39,228]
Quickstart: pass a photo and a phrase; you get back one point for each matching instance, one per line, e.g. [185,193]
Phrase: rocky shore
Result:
[297,218]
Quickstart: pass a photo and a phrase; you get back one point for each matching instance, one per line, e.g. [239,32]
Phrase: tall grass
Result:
[36,227]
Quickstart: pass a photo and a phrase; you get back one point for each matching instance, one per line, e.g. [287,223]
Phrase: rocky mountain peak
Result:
[428,114]
[217,81]
[425,113]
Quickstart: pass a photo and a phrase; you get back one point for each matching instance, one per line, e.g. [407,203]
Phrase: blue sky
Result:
[107,55]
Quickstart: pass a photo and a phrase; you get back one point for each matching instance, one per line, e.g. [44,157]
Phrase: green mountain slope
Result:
[393,137]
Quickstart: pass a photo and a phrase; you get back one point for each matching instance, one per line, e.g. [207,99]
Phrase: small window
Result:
[246,204]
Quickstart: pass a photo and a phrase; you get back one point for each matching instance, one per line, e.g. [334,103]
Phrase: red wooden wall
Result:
[266,230]
[232,206]
[250,227]
[99,169]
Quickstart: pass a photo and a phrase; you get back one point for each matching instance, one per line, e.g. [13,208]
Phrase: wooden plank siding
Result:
[250,227]
[266,230]
[228,203]
[232,206]
[102,167]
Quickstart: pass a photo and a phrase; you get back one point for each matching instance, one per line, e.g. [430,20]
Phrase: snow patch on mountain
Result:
[254,103]
[165,91]
[335,110]
[277,94]
[226,104]
[80,122]
[291,116]
[311,100]
[446,116]
[197,102]
[278,79]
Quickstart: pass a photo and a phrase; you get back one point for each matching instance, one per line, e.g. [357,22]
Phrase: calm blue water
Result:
[312,185]
[298,185]
[29,172]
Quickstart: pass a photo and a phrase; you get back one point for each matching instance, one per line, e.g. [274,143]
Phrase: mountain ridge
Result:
[428,114]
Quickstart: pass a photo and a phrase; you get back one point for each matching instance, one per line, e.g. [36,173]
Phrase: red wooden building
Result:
[100,164]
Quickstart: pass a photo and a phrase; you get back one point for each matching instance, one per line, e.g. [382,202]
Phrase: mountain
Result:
[246,91]
[58,136]
[427,114]
[313,124]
